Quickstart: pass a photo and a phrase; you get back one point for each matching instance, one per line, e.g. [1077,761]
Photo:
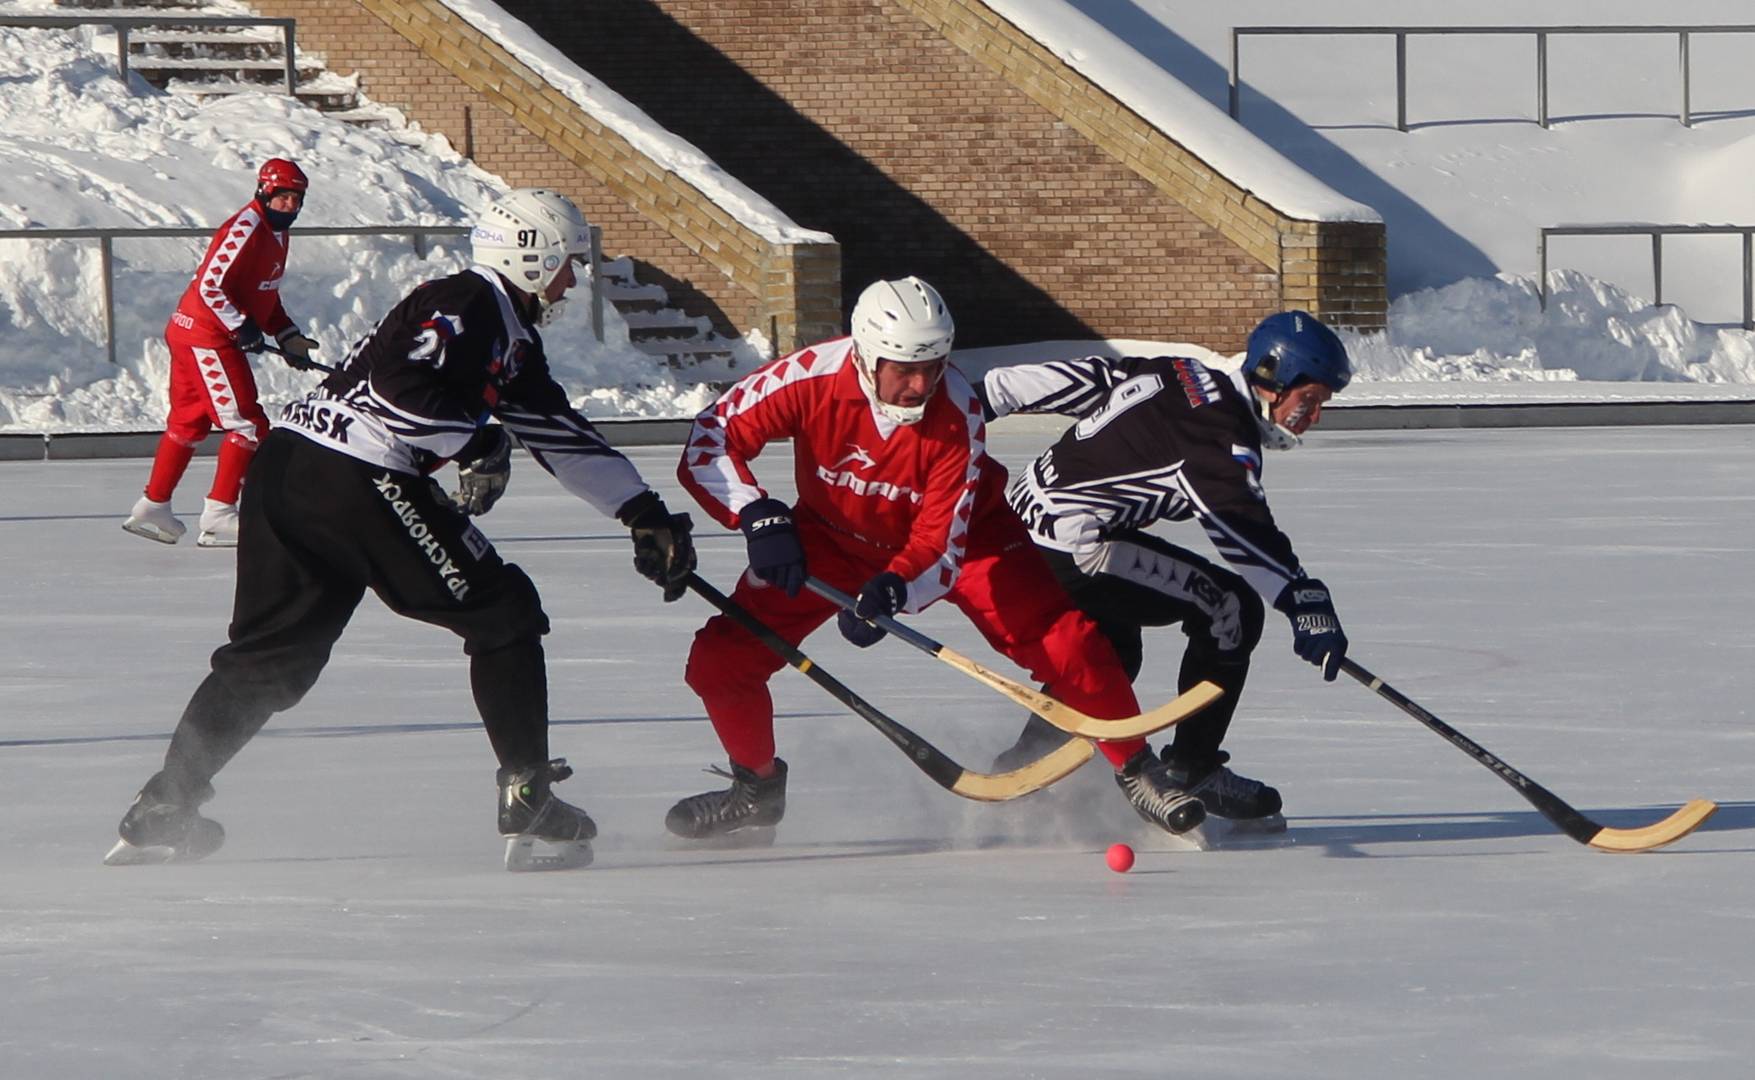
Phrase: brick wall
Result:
[927,136]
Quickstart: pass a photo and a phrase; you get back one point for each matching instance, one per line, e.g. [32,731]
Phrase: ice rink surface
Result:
[1579,601]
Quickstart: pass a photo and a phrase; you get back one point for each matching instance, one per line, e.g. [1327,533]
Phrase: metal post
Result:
[1657,268]
[1687,113]
[1542,79]
[1401,81]
[122,54]
[292,76]
[597,283]
[1234,95]
[1542,271]
[1749,280]
[107,265]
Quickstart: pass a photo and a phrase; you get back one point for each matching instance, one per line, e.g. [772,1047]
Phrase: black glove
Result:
[1316,630]
[296,349]
[248,337]
[664,553]
[776,556]
[483,471]
[882,595]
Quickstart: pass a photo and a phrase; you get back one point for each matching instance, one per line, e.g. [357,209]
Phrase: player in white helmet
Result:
[340,501]
[899,504]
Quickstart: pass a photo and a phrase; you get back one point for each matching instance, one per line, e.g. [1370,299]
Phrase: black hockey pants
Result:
[316,530]
[1141,580]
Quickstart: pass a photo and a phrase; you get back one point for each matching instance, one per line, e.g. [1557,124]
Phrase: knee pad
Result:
[1234,627]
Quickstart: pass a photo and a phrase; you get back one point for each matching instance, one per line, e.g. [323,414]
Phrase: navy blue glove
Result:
[882,595]
[776,556]
[1316,629]
[248,336]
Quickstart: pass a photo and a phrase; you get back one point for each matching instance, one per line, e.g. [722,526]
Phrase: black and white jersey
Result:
[455,352]
[1161,438]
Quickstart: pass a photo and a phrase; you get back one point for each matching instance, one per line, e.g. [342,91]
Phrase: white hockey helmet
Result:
[527,235]
[903,321]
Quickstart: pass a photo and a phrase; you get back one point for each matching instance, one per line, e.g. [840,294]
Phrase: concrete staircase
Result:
[206,62]
[665,333]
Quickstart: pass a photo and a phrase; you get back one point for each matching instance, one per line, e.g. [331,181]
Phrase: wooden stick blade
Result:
[1074,722]
[1657,834]
[1063,761]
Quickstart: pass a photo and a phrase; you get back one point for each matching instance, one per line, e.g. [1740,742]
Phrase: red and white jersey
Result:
[240,275]
[902,496]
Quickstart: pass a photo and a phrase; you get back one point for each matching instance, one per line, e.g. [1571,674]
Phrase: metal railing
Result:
[417,233]
[122,24]
[1541,34]
[1657,234]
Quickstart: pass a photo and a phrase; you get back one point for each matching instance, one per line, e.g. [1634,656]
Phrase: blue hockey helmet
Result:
[1292,347]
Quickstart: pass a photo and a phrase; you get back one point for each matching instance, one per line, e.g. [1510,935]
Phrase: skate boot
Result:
[1156,797]
[219,524]
[751,806]
[531,813]
[1038,739]
[163,826]
[1248,804]
[154,521]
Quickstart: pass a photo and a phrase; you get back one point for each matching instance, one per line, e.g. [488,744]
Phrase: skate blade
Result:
[756,836]
[1203,837]
[1270,825]
[126,854]
[214,540]
[151,532]
[526,854]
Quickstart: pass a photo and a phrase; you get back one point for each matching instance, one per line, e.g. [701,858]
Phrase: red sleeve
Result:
[729,434]
[226,272]
[933,557]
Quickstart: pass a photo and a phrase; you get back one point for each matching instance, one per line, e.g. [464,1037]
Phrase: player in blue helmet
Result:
[1178,438]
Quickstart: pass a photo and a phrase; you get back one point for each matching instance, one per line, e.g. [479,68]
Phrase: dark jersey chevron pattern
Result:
[1162,438]
[453,354]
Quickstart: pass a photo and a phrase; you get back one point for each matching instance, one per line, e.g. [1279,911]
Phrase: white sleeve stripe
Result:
[1229,541]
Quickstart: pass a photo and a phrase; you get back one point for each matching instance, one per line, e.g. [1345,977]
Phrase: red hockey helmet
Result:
[279,174]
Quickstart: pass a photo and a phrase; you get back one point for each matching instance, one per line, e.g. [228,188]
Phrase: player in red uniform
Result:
[232,301]
[899,504]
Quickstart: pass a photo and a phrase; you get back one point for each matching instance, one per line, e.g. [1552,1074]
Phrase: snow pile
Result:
[1494,329]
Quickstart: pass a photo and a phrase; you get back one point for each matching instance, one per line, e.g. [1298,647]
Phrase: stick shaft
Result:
[1551,806]
[928,758]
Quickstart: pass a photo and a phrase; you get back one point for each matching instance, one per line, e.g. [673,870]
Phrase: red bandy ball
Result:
[1120,858]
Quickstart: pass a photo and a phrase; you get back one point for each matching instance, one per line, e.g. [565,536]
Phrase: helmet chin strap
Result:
[1273,436]
[903,415]
[547,313]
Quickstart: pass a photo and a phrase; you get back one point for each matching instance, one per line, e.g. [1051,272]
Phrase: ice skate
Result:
[1156,797]
[1038,738]
[746,811]
[163,826]
[542,832]
[1250,806]
[219,524]
[154,521]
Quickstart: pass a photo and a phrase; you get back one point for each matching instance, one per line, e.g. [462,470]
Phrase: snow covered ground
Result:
[1576,600]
